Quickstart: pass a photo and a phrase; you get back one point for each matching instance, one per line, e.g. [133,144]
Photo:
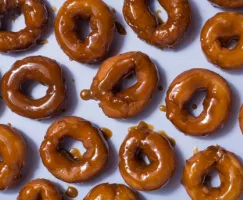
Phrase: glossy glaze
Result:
[97,43]
[132,100]
[13,156]
[39,189]
[36,17]
[241,119]
[71,192]
[217,33]
[59,164]
[42,70]
[216,105]
[230,173]
[136,173]
[228,3]
[148,28]
[108,191]
[107,133]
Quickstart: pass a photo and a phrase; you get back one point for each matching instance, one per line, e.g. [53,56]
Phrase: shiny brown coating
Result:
[144,23]
[97,43]
[132,100]
[13,155]
[36,17]
[43,70]
[61,165]
[40,189]
[219,31]
[162,161]
[228,3]
[108,191]
[227,165]
[216,105]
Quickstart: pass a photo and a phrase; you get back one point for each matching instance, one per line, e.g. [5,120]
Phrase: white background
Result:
[169,62]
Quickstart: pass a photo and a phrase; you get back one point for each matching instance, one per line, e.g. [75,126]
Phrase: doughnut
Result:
[40,189]
[96,45]
[36,18]
[111,191]
[13,156]
[62,166]
[217,33]
[228,3]
[216,105]
[227,165]
[37,68]
[162,161]
[144,23]
[132,100]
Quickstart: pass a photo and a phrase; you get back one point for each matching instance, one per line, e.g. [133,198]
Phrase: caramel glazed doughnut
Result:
[132,100]
[96,45]
[216,105]
[144,23]
[228,3]
[162,161]
[65,167]
[36,17]
[219,31]
[108,191]
[230,173]
[40,189]
[13,155]
[46,72]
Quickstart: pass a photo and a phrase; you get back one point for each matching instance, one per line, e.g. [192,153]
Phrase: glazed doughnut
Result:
[46,72]
[39,189]
[110,192]
[144,23]
[36,17]
[61,165]
[97,43]
[216,105]
[230,173]
[228,3]
[130,101]
[13,154]
[136,173]
[219,31]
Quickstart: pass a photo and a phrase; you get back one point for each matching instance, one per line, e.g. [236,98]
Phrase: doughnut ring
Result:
[13,154]
[44,70]
[216,105]
[144,23]
[130,101]
[97,43]
[228,4]
[219,31]
[227,165]
[36,17]
[62,166]
[111,191]
[40,188]
[162,161]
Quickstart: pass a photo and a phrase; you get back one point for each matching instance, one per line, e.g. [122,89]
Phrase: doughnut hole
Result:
[142,157]
[33,89]
[82,27]
[158,11]
[212,179]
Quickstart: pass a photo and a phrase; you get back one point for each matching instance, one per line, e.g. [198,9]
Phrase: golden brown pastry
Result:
[216,105]
[228,3]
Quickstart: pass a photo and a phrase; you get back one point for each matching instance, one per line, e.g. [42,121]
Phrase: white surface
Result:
[170,63]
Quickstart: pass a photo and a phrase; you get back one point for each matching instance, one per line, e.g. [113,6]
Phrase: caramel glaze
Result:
[217,33]
[171,140]
[241,118]
[76,154]
[148,28]
[136,173]
[59,164]
[97,43]
[132,100]
[108,191]
[216,105]
[40,189]
[228,4]
[36,17]
[46,72]
[71,192]
[107,133]
[13,154]
[227,165]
